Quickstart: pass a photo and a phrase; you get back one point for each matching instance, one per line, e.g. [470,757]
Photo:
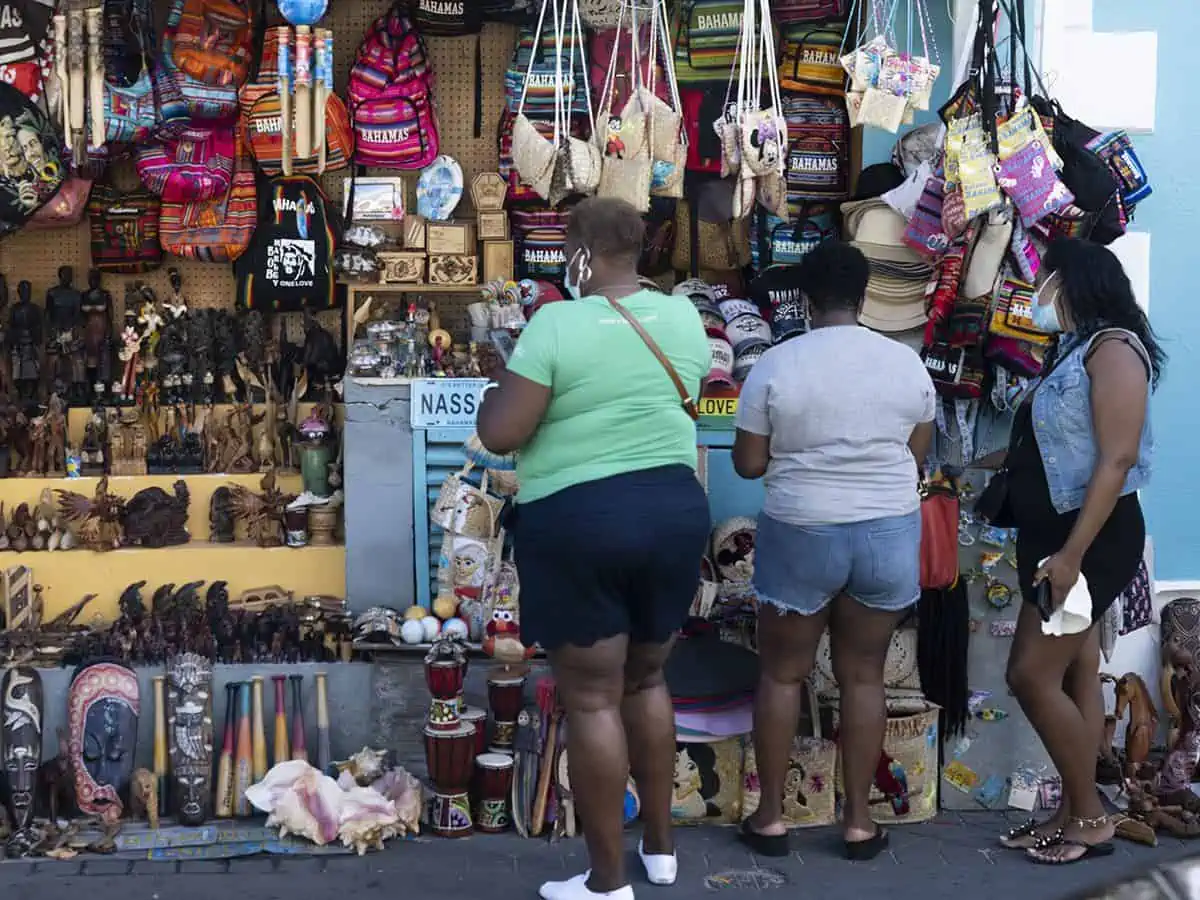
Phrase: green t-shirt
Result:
[613,408]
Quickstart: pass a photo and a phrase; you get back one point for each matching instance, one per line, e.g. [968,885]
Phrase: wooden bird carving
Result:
[263,511]
[97,519]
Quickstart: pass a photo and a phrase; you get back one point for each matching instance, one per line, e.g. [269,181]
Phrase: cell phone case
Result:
[1044,599]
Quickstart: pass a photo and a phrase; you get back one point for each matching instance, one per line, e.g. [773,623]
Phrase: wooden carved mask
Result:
[102,716]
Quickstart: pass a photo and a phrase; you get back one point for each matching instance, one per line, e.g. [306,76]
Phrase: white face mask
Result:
[579,263]
[1045,315]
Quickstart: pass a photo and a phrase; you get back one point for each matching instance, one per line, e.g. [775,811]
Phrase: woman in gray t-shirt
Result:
[835,421]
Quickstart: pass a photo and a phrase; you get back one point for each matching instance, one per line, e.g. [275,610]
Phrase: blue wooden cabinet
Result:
[438,452]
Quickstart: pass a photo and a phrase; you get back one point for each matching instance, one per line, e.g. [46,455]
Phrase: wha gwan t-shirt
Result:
[613,408]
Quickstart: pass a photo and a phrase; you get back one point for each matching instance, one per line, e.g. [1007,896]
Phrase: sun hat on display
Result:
[895,296]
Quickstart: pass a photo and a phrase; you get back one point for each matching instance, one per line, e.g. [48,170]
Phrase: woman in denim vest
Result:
[1081,447]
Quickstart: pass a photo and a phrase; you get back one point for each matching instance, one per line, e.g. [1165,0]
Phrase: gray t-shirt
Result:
[839,405]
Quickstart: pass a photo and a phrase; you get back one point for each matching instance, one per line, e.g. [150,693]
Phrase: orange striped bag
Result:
[216,230]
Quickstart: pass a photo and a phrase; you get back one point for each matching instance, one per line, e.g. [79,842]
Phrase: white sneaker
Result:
[576,889]
[661,868]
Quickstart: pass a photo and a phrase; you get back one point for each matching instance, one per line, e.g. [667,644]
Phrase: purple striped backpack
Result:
[391,97]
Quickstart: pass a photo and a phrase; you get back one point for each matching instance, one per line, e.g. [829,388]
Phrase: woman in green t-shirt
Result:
[610,526]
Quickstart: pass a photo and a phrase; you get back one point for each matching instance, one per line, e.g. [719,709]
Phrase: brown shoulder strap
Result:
[689,403]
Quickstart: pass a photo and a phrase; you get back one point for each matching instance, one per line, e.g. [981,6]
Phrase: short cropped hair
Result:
[834,276]
[607,226]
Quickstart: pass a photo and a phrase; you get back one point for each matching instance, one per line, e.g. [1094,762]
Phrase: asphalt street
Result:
[955,856]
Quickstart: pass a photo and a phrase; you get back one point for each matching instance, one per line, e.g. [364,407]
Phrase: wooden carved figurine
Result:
[190,736]
[24,343]
[143,797]
[263,511]
[1133,697]
[221,517]
[55,780]
[1174,781]
[21,704]
[98,519]
[92,454]
[98,339]
[154,518]
[56,437]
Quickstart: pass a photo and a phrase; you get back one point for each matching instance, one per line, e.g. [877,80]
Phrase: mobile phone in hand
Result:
[1044,599]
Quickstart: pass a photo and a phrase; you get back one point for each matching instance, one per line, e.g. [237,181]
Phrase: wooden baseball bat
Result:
[160,740]
[324,757]
[285,101]
[243,764]
[64,80]
[224,800]
[299,745]
[304,91]
[323,78]
[260,733]
[95,76]
[76,74]
[282,753]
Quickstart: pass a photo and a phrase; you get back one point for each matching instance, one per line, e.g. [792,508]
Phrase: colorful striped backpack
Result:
[196,166]
[130,103]
[262,118]
[217,230]
[124,230]
[207,51]
[391,97]
[706,40]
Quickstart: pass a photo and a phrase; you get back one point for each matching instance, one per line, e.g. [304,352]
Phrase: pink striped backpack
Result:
[197,166]
[391,97]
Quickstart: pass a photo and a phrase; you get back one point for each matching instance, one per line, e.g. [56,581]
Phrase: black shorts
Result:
[616,556]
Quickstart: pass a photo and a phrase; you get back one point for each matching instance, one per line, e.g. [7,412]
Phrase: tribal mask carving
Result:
[102,715]
[21,705]
[190,736]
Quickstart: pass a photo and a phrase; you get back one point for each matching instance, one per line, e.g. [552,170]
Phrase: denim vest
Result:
[1062,424]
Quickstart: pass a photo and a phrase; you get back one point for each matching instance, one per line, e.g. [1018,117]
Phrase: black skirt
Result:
[620,555]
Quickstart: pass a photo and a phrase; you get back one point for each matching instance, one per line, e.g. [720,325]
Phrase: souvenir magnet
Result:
[1003,628]
[999,595]
[994,537]
[960,777]
[991,791]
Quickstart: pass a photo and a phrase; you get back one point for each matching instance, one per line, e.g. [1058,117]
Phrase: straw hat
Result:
[895,297]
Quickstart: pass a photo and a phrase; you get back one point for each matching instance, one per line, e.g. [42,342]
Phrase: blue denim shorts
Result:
[802,568]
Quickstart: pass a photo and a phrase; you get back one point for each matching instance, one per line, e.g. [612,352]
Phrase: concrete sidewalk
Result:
[953,856]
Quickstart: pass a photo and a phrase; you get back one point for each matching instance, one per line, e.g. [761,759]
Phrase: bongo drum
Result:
[450,815]
[444,678]
[477,717]
[449,757]
[505,696]
[493,782]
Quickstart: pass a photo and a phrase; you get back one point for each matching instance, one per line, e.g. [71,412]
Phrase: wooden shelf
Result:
[361,288]
[78,416]
[68,576]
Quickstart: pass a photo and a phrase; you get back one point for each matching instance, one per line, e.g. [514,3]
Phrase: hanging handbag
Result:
[939,535]
[535,157]
[66,208]
[627,168]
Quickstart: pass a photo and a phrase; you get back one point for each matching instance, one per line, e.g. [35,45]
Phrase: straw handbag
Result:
[624,139]
[709,246]
[464,509]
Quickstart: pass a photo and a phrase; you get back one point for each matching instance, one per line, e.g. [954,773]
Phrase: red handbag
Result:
[939,535]
[66,208]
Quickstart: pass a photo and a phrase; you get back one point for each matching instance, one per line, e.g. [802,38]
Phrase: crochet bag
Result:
[391,97]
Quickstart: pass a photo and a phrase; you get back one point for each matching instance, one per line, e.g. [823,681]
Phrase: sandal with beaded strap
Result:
[1090,851]
[1027,830]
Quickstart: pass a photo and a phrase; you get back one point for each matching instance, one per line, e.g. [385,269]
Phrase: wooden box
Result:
[493,225]
[450,238]
[498,261]
[414,233]
[454,269]
[488,191]
[401,267]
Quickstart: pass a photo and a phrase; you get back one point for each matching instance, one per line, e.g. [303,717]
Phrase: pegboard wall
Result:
[36,256]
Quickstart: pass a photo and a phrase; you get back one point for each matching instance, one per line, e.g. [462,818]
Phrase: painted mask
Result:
[102,716]
[21,705]
[190,736]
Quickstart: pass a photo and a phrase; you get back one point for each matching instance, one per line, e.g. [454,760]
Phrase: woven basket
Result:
[723,247]
[464,509]
[708,782]
[911,740]
[809,795]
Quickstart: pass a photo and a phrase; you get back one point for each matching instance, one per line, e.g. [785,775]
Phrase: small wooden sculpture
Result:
[1132,696]
[98,519]
[220,517]
[56,438]
[55,780]
[263,511]
[154,518]
[143,797]
[126,443]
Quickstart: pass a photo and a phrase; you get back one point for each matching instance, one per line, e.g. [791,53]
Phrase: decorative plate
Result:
[439,189]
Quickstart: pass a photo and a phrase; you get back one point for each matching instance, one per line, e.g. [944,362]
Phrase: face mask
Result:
[1045,315]
[579,262]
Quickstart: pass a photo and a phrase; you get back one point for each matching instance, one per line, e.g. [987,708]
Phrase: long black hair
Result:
[1099,295]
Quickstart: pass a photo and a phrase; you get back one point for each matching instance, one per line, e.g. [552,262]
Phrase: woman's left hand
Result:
[1063,571]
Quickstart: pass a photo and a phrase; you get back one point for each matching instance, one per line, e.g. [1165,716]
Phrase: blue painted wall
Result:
[1171,216]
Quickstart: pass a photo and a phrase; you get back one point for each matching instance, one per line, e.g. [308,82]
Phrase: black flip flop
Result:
[865,851]
[763,844]
[1090,851]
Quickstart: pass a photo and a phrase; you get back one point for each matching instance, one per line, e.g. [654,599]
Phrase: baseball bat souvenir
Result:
[64,80]
[324,756]
[160,740]
[95,77]
[76,77]
[282,753]
[299,745]
[243,761]
[304,92]
[323,87]
[285,101]
[224,802]
[260,734]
